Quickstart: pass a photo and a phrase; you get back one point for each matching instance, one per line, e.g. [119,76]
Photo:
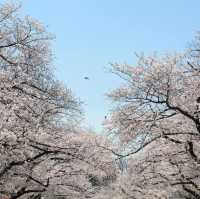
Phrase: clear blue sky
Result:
[92,33]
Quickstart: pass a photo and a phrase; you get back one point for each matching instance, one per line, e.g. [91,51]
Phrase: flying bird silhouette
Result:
[86,78]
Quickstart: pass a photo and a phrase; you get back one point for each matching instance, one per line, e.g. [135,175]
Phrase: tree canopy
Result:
[151,148]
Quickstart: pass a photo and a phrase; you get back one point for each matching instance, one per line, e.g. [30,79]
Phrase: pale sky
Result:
[92,33]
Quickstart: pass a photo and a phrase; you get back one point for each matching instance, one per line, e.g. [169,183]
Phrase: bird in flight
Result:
[86,78]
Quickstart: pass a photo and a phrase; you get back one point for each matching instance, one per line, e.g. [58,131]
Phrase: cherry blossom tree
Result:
[157,120]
